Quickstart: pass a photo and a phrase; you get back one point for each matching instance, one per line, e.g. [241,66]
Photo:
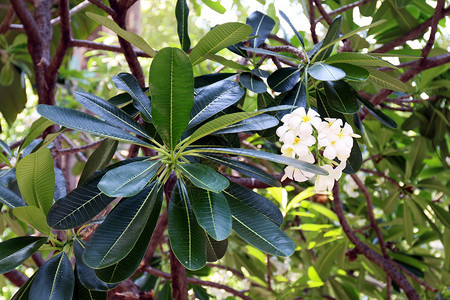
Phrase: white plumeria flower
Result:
[309,119]
[288,150]
[286,134]
[328,131]
[297,174]
[338,142]
[350,187]
[325,183]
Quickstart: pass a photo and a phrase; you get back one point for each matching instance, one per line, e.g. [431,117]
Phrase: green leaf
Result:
[133,38]
[442,214]
[82,203]
[211,211]
[329,40]
[390,204]
[172,88]
[255,123]
[268,52]
[352,72]
[215,250]
[245,169]
[187,238]
[14,98]
[284,79]
[262,26]
[78,120]
[341,97]
[354,161]
[128,83]
[204,177]
[86,275]
[82,293]
[99,159]
[214,98]
[129,179]
[299,36]
[218,38]
[377,113]
[24,291]
[267,156]
[182,15]
[417,152]
[55,280]
[10,198]
[408,225]
[126,267]
[6,74]
[36,179]
[33,216]
[252,82]
[15,251]
[4,147]
[226,62]
[257,230]
[434,184]
[118,234]
[358,59]
[327,259]
[110,113]
[296,97]
[215,5]
[324,72]
[387,81]
[254,200]
[36,130]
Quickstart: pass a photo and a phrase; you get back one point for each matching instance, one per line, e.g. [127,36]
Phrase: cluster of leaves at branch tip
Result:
[185,113]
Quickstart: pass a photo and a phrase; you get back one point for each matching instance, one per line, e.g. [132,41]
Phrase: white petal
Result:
[329,152]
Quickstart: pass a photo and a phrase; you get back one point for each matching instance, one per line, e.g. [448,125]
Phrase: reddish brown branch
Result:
[157,236]
[344,8]
[104,7]
[416,32]
[434,22]
[323,12]
[99,46]
[16,278]
[278,39]
[178,279]
[286,48]
[196,281]
[312,21]
[381,174]
[4,26]
[414,277]
[75,150]
[373,256]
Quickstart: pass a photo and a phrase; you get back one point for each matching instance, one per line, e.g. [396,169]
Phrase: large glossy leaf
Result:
[387,81]
[129,84]
[36,130]
[296,97]
[10,198]
[254,200]
[284,79]
[246,169]
[99,159]
[36,179]
[78,120]
[332,34]
[118,234]
[386,120]
[82,293]
[129,264]
[299,36]
[218,38]
[133,38]
[86,275]
[82,203]
[252,82]
[187,238]
[182,15]
[267,156]
[324,109]
[211,211]
[204,177]
[129,179]
[215,250]
[15,251]
[262,26]
[255,123]
[324,72]
[257,230]
[213,99]
[110,113]
[352,72]
[34,217]
[172,88]
[24,291]
[341,97]
[55,280]
[358,59]
[267,52]
[354,162]
[204,80]
[226,62]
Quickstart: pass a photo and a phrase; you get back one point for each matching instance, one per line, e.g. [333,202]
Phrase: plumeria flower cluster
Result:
[305,136]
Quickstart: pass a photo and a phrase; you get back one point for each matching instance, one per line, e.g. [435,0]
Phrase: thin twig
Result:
[104,7]
[76,150]
[312,22]
[74,10]
[344,8]
[323,12]
[4,26]
[100,46]
[373,256]
[279,39]
[196,281]
[286,48]
[414,277]
[269,284]
[381,174]
[434,22]
[16,278]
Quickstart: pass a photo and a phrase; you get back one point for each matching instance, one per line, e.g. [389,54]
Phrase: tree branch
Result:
[416,32]
[178,278]
[16,278]
[312,21]
[99,46]
[104,7]
[4,26]
[434,22]
[196,281]
[323,12]
[373,256]
[286,48]
[344,8]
